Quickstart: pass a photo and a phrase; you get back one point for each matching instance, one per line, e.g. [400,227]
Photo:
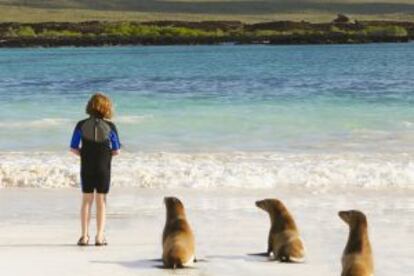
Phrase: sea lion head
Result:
[272,206]
[353,217]
[174,206]
[279,215]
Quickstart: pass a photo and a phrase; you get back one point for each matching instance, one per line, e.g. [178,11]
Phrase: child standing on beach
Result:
[95,140]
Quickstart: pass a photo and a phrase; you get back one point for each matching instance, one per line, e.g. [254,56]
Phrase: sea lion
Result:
[357,255]
[284,239]
[177,239]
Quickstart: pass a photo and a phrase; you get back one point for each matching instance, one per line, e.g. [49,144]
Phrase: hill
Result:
[196,10]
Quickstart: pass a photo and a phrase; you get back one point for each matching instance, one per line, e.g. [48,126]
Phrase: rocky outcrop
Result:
[342,19]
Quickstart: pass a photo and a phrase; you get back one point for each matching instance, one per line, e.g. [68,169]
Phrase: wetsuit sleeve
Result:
[76,138]
[114,137]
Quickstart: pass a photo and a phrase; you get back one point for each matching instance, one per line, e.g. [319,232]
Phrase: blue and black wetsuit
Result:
[99,138]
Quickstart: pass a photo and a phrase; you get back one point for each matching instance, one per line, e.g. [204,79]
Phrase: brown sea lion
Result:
[284,239]
[357,255]
[177,239]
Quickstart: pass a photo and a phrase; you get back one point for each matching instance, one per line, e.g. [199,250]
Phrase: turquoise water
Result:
[352,98]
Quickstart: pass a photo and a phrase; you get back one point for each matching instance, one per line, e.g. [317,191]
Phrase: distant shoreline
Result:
[97,33]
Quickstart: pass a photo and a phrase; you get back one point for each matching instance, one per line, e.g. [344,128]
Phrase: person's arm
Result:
[75,141]
[115,143]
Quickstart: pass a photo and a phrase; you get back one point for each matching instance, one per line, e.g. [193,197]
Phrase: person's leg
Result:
[100,216]
[87,201]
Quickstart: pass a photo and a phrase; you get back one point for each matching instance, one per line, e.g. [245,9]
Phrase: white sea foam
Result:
[131,119]
[407,124]
[40,123]
[53,122]
[319,172]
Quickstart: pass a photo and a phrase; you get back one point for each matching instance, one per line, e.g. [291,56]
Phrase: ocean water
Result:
[216,116]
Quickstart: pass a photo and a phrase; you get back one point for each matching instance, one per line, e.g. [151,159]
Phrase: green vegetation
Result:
[22,31]
[27,31]
[54,33]
[396,31]
[160,33]
[335,29]
[376,31]
[129,29]
[275,33]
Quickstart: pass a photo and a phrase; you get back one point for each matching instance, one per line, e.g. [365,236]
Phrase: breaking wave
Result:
[218,170]
[54,122]
[39,123]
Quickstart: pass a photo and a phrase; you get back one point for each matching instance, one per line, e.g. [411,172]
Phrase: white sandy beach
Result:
[39,227]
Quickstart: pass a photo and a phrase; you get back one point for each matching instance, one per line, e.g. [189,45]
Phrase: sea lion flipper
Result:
[269,244]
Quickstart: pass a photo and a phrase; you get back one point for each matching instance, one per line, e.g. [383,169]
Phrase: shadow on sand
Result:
[253,257]
[141,264]
[34,245]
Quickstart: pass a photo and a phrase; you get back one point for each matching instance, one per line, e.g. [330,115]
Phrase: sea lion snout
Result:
[344,215]
[166,199]
[259,204]
[267,201]
[171,200]
[272,205]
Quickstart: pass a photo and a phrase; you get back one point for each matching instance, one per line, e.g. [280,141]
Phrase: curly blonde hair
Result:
[100,105]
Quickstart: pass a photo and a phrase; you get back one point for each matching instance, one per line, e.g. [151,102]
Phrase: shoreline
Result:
[114,42]
[128,33]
